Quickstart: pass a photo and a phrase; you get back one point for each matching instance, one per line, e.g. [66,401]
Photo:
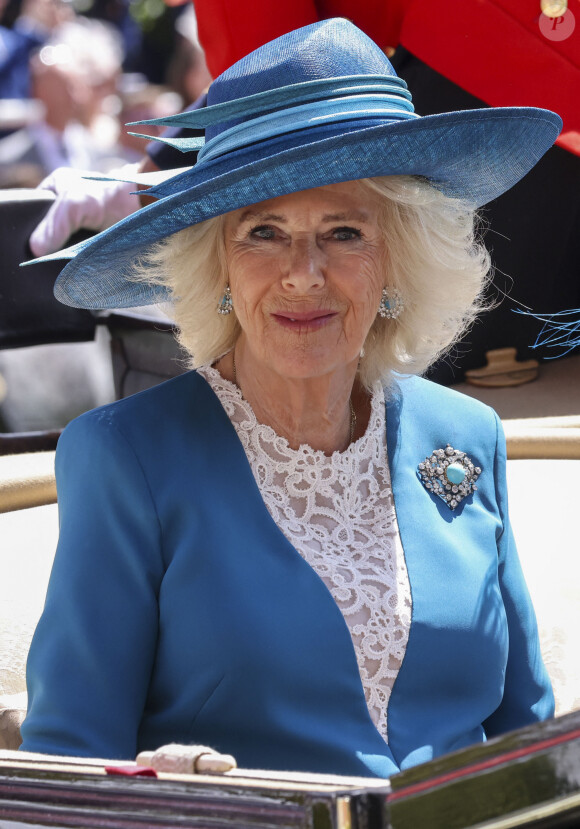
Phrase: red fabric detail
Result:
[381,20]
[131,771]
[230,29]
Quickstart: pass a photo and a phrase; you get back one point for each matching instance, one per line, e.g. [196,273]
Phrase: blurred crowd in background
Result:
[74,72]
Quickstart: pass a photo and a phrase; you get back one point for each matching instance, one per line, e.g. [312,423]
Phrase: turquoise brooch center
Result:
[449,474]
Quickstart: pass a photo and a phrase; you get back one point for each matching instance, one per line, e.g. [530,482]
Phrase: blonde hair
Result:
[434,257]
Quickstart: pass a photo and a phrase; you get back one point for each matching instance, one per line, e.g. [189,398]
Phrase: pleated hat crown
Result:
[322,50]
[328,79]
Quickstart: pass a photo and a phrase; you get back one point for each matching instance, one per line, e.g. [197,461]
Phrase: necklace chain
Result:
[352,420]
[350,404]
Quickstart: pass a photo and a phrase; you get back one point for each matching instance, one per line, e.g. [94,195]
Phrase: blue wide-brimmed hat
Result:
[317,106]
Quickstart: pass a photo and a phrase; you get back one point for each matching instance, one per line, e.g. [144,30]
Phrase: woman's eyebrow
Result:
[351,216]
[256,215]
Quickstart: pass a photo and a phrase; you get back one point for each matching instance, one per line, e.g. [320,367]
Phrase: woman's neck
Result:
[325,412]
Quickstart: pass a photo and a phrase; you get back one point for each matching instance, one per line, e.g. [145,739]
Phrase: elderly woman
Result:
[298,553]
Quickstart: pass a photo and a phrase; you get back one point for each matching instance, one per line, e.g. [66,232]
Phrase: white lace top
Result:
[338,512]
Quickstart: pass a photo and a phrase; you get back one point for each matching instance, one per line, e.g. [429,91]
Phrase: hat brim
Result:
[475,155]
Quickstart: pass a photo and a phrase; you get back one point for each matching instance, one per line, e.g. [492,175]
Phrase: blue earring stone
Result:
[225,305]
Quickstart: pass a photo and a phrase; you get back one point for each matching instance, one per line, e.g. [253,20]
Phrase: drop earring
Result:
[225,305]
[391,305]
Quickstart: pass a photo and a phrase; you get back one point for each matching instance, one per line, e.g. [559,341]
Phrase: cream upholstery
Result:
[12,711]
[26,480]
[543,437]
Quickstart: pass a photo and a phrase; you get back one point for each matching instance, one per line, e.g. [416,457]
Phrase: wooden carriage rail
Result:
[528,778]
[76,792]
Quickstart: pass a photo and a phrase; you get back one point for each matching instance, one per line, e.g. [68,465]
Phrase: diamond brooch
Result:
[450,474]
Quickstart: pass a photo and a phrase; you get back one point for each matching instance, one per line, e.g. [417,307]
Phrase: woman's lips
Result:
[305,321]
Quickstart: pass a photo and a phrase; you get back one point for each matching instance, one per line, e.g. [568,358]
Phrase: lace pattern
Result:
[338,513]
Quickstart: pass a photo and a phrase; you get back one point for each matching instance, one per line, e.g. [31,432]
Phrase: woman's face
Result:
[306,273]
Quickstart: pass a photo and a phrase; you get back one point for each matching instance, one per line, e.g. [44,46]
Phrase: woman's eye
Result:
[345,234]
[263,232]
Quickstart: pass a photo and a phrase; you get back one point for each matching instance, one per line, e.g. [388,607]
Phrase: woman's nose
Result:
[305,267]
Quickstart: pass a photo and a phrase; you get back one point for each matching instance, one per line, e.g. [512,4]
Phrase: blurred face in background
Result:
[60,89]
[76,71]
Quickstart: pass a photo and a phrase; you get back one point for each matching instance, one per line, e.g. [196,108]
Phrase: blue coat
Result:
[178,611]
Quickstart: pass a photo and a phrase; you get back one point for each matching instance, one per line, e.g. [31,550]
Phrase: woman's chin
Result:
[296,365]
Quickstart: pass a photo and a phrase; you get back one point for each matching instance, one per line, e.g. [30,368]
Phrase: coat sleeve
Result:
[92,654]
[528,695]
